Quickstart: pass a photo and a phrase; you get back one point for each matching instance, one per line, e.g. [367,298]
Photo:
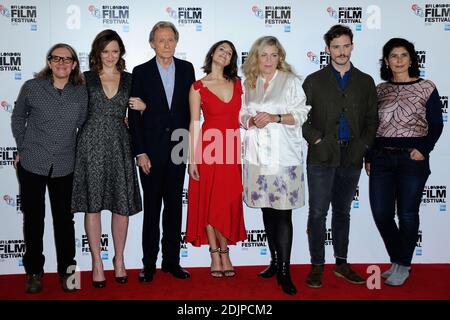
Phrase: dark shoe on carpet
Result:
[34,283]
[284,279]
[119,279]
[270,271]
[345,271]
[177,271]
[314,279]
[68,283]
[146,274]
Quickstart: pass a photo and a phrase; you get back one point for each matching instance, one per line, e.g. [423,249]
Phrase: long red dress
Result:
[216,199]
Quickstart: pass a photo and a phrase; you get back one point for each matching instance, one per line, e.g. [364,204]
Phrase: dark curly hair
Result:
[336,31]
[413,70]
[230,71]
[99,44]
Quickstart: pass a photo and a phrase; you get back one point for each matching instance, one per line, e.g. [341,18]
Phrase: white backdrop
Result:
[29,28]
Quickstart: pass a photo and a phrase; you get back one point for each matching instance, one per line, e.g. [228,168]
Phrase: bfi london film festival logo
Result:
[347,15]
[321,60]
[83,245]
[328,237]
[7,156]
[11,62]
[13,202]
[356,199]
[12,249]
[422,59]
[444,101]
[6,106]
[184,198]
[83,57]
[21,15]
[256,239]
[244,55]
[418,251]
[354,16]
[274,15]
[187,16]
[433,13]
[184,252]
[116,15]
[435,195]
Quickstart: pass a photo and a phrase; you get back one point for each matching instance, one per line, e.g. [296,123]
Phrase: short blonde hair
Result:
[250,66]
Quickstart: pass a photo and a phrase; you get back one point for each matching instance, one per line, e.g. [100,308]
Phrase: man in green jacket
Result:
[341,126]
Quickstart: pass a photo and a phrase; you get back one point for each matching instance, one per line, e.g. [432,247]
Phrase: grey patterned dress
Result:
[105,175]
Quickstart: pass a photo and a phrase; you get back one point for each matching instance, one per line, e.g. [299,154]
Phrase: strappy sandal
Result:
[230,272]
[215,273]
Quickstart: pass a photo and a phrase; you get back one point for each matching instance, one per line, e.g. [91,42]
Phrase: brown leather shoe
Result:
[34,283]
[345,271]
[314,279]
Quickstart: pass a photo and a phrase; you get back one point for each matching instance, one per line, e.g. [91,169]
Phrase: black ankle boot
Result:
[271,270]
[284,278]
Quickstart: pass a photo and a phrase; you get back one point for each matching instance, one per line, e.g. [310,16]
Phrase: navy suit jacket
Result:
[151,131]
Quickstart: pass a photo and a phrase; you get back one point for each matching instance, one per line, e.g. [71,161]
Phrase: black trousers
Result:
[32,195]
[164,184]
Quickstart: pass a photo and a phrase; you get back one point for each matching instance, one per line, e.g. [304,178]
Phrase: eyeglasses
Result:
[56,59]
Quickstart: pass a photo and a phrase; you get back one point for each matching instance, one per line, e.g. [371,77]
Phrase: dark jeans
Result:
[32,195]
[336,186]
[397,182]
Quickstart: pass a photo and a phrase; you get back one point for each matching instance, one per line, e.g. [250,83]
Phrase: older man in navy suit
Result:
[163,85]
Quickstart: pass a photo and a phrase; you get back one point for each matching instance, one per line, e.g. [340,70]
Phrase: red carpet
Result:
[426,282]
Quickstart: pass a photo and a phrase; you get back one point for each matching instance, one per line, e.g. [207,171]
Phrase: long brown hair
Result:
[230,71]
[99,44]
[75,77]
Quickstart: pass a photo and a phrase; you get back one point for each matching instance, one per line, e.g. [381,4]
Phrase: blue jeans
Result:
[336,186]
[396,182]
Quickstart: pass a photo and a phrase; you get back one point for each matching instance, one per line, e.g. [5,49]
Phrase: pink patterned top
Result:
[402,109]
[410,115]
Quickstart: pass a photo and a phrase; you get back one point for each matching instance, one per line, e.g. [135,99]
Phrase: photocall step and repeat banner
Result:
[29,28]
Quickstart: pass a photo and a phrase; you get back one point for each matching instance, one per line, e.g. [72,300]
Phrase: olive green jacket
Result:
[358,102]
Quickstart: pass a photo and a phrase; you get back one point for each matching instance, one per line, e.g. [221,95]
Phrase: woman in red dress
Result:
[215,212]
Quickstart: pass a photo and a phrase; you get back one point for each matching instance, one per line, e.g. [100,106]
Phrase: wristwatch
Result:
[279,118]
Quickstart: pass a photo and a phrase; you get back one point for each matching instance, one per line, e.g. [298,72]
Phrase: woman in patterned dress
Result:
[273,112]
[105,175]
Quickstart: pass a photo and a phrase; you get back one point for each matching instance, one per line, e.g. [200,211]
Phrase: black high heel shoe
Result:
[284,279]
[99,284]
[121,280]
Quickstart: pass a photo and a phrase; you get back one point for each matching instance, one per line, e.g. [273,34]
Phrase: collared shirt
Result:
[45,125]
[168,79]
[344,129]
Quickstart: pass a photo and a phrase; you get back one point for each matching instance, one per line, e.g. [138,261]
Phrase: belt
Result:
[343,143]
[393,150]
